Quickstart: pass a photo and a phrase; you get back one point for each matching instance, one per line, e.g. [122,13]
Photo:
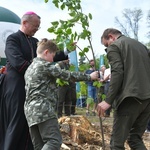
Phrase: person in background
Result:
[129,89]
[73,98]
[42,95]
[64,92]
[101,89]
[107,77]
[20,50]
[92,93]
[102,70]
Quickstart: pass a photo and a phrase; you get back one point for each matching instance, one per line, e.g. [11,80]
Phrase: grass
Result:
[94,119]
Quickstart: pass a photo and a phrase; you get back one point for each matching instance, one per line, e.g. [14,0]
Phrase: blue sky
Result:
[103,12]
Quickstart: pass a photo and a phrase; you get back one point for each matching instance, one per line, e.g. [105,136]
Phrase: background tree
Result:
[148,34]
[148,22]
[130,25]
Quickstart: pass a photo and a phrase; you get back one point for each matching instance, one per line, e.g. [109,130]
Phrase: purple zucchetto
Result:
[30,13]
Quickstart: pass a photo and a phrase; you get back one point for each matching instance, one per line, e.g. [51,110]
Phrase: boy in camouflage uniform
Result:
[41,96]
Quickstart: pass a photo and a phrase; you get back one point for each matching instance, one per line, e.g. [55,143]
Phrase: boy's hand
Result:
[94,75]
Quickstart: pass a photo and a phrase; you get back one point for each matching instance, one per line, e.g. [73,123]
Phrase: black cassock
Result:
[14,131]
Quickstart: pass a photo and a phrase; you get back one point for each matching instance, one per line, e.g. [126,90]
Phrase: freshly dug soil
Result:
[80,134]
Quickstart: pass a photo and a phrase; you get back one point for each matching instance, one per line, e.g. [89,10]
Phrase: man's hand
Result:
[102,107]
[2,70]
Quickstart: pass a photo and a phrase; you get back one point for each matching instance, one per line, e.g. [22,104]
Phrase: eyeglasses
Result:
[35,26]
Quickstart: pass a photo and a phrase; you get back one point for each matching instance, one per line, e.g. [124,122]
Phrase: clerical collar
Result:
[27,36]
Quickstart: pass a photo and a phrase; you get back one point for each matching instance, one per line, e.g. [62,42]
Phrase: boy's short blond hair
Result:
[46,44]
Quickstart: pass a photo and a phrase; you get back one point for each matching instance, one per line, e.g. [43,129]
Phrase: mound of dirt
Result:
[79,134]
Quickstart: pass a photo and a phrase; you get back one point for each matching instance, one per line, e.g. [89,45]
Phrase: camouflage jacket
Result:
[41,89]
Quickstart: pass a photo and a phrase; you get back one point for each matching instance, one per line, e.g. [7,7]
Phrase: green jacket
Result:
[41,89]
[130,70]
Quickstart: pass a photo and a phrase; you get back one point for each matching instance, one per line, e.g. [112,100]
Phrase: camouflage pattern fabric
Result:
[41,89]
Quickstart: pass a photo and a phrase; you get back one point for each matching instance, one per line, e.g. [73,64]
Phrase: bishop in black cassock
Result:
[20,50]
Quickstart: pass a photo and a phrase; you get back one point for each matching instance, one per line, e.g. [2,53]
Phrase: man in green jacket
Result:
[129,89]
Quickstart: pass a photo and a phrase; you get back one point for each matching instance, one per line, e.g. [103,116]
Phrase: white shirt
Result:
[107,73]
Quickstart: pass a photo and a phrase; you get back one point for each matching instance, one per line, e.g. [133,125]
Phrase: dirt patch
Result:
[79,133]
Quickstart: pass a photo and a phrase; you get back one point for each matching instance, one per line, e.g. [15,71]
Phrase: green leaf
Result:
[56,3]
[94,83]
[78,6]
[81,54]
[72,14]
[55,23]
[85,49]
[97,84]
[82,67]
[83,88]
[103,97]
[82,35]
[72,67]
[69,31]
[69,4]
[59,30]
[70,24]
[61,21]
[90,16]
[75,35]
[61,82]
[60,45]
[51,30]
[46,1]
[62,6]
